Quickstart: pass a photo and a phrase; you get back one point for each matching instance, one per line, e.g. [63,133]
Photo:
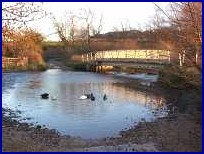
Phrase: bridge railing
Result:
[160,56]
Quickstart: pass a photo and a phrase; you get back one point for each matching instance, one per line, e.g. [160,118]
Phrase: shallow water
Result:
[123,108]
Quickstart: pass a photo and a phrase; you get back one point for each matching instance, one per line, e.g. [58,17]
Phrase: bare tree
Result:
[87,15]
[186,17]
[67,29]
[17,14]
[96,30]
[186,36]
[78,28]
[18,40]
[125,25]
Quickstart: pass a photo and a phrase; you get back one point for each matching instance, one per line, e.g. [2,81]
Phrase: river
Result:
[68,114]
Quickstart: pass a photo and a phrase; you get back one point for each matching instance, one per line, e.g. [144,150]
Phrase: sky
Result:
[138,14]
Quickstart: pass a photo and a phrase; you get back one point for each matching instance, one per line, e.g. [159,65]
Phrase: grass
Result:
[29,67]
[180,78]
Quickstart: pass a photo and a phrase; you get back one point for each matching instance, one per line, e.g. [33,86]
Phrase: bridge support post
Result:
[95,67]
[99,69]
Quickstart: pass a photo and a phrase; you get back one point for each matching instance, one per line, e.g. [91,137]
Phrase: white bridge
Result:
[144,59]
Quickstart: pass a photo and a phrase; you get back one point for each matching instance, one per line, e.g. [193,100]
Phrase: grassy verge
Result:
[30,67]
[180,78]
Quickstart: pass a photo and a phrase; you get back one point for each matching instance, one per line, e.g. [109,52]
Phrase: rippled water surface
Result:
[85,118]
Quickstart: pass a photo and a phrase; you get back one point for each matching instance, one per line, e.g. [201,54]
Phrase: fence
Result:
[14,62]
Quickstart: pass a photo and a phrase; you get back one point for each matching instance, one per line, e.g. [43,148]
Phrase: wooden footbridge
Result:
[142,59]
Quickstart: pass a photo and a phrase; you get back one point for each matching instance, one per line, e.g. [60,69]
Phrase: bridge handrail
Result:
[125,55]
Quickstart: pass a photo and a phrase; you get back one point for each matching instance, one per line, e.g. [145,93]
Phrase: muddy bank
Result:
[187,100]
[27,137]
[180,131]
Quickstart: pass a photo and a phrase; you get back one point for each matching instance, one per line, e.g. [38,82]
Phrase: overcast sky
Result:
[138,14]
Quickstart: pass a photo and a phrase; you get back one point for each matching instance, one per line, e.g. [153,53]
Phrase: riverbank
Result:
[181,131]
[29,68]
[26,137]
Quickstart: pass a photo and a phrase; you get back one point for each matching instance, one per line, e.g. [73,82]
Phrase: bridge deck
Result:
[131,60]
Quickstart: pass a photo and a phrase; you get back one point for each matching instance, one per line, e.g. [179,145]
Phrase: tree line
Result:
[18,40]
[178,29]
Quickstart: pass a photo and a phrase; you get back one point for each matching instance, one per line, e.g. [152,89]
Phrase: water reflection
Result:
[68,114]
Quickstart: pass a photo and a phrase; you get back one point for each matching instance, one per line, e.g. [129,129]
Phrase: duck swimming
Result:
[93,98]
[87,96]
[83,97]
[44,96]
[104,97]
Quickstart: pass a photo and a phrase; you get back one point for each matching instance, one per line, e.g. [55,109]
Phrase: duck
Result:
[87,96]
[83,97]
[44,96]
[104,97]
[92,98]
